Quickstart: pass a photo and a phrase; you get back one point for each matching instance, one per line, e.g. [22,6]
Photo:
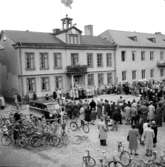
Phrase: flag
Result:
[67,3]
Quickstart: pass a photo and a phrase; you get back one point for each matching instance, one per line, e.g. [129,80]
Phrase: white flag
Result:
[67,3]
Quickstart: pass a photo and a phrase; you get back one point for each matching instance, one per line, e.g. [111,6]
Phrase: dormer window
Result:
[133,38]
[152,40]
[73,39]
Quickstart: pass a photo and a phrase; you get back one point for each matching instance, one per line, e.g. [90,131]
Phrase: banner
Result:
[67,3]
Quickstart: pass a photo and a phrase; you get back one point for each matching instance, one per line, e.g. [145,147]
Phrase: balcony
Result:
[76,70]
[161,64]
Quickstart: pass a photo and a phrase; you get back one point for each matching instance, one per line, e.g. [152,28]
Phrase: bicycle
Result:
[74,125]
[7,137]
[124,156]
[152,162]
[115,163]
[79,139]
[88,161]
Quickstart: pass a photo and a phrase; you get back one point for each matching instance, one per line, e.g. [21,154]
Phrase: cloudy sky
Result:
[44,15]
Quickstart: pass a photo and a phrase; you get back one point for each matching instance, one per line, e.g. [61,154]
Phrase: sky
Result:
[45,15]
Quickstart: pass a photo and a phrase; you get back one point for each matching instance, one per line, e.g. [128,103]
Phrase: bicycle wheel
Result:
[54,141]
[91,162]
[21,142]
[35,141]
[85,128]
[142,163]
[125,158]
[73,126]
[5,140]
[136,163]
[115,164]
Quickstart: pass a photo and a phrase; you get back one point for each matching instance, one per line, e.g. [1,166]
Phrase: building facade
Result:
[138,56]
[43,62]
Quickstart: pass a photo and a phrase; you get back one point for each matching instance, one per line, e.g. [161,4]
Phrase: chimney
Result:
[88,30]
[158,33]
[56,30]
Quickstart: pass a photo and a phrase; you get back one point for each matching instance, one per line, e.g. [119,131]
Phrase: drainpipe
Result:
[115,68]
[21,71]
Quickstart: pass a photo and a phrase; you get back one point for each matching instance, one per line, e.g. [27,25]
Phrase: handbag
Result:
[127,138]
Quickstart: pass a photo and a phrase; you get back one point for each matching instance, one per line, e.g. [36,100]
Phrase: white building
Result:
[42,62]
[138,56]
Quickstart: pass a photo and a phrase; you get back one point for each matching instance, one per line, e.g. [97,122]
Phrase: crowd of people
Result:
[144,115]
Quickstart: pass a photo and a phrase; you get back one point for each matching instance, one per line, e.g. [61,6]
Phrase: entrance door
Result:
[79,80]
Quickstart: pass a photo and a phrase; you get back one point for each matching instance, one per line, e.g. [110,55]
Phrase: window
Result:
[44,61]
[99,60]
[109,59]
[100,79]
[57,60]
[143,73]
[89,59]
[73,39]
[151,55]
[90,79]
[124,75]
[133,55]
[45,83]
[152,39]
[142,55]
[123,57]
[59,82]
[133,38]
[74,59]
[109,78]
[161,72]
[30,62]
[31,84]
[133,75]
[152,73]
[161,55]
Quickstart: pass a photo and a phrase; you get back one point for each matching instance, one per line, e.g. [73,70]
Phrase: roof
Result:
[95,40]
[32,37]
[66,30]
[126,38]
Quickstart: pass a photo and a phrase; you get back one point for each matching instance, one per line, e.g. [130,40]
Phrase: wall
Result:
[138,65]
[66,61]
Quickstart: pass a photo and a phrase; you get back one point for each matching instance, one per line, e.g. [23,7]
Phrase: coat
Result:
[102,130]
[148,136]
[133,139]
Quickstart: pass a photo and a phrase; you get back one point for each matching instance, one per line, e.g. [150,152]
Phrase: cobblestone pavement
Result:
[71,155]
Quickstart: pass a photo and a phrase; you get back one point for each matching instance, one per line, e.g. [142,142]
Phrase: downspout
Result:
[115,68]
[21,71]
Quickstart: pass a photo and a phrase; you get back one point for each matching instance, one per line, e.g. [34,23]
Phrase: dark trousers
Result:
[103,142]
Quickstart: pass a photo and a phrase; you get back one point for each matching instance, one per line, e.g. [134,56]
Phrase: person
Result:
[54,95]
[17,116]
[151,111]
[115,118]
[17,125]
[148,136]
[102,132]
[46,97]
[155,129]
[127,110]
[99,109]
[133,113]
[34,96]
[133,136]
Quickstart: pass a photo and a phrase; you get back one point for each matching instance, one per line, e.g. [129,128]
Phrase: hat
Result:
[153,122]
